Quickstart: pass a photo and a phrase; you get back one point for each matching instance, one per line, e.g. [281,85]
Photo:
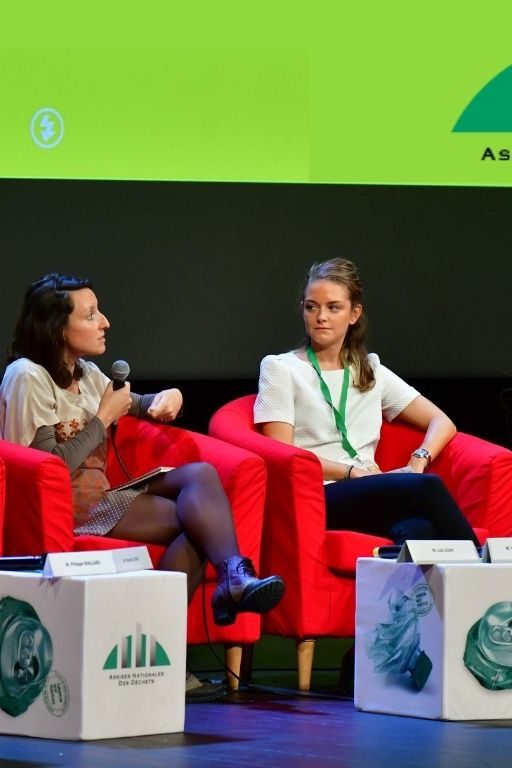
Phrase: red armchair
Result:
[39,518]
[318,565]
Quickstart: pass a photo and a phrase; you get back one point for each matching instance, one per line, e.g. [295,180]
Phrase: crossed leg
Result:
[187,511]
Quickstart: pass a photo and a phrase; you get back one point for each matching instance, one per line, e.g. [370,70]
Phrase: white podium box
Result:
[92,657]
[434,641]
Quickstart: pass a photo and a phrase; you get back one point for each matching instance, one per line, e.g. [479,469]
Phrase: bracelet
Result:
[349,472]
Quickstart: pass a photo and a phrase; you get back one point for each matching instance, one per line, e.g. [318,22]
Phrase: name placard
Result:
[427,552]
[96,562]
[131,559]
[497,551]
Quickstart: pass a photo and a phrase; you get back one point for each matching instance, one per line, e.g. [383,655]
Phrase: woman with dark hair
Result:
[53,400]
[330,396]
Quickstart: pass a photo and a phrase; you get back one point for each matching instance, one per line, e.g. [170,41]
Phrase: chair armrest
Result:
[143,445]
[479,476]
[477,473]
[38,507]
[295,495]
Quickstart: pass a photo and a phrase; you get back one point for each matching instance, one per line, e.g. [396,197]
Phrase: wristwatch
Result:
[422,453]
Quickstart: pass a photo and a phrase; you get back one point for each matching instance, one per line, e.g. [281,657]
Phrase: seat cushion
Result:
[342,549]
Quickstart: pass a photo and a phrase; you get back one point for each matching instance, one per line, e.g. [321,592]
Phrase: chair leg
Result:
[305,653]
[233,659]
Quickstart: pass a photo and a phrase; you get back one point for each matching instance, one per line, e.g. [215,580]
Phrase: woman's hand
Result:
[336,470]
[166,405]
[114,404]
[366,472]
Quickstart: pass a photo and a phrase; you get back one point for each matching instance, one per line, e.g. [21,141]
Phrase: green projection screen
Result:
[337,92]
[193,159]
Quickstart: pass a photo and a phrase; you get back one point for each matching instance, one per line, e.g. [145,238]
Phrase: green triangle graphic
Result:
[161,658]
[490,111]
[111,662]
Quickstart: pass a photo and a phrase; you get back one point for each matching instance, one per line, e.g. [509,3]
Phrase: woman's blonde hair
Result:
[354,353]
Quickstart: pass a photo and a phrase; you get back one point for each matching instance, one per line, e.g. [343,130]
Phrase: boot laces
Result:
[246,568]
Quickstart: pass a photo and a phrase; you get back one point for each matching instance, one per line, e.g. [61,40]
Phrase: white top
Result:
[29,399]
[289,391]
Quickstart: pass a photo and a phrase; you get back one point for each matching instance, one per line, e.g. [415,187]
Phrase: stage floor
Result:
[268,730]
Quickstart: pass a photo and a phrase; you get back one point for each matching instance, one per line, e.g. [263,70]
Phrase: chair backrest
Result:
[235,418]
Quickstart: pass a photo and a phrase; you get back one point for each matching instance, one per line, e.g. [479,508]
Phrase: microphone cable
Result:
[117,454]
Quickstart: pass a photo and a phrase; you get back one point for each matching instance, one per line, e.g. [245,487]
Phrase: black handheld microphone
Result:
[120,372]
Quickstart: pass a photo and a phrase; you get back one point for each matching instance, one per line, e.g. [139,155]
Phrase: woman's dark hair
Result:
[39,329]
[344,272]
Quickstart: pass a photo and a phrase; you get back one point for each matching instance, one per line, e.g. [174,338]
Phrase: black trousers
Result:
[396,506]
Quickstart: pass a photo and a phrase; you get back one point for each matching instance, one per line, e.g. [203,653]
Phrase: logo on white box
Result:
[138,659]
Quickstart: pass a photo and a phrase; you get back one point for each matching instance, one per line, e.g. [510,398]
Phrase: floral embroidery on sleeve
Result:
[66,429]
[74,427]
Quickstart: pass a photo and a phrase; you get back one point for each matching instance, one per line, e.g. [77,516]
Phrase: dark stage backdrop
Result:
[201,280]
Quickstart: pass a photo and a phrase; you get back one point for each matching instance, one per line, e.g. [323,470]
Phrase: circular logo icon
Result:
[56,694]
[47,128]
[422,599]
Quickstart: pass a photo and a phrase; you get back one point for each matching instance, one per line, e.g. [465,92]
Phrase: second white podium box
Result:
[434,641]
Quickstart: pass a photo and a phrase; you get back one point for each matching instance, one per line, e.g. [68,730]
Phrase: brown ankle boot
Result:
[239,589]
